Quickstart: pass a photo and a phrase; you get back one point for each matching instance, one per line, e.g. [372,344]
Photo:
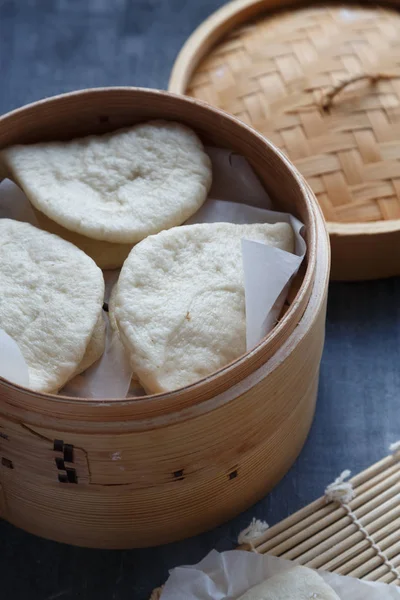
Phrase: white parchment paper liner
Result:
[229,574]
[236,196]
[12,364]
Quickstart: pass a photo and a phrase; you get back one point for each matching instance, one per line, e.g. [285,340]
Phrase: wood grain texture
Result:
[275,72]
[162,468]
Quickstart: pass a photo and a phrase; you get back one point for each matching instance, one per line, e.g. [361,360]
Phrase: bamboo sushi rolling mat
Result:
[324,536]
[344,539]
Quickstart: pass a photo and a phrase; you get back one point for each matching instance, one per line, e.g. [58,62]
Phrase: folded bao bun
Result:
[179,304]
[113,322]
[95,347]
[106,193]
[106,255]
[51,297]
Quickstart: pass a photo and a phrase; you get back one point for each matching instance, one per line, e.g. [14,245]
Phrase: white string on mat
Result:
[342,491]
[252,532]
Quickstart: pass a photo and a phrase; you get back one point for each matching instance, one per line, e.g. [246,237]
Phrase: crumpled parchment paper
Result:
[228,575]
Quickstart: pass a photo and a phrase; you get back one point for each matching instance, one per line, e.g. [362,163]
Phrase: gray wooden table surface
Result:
[53,46]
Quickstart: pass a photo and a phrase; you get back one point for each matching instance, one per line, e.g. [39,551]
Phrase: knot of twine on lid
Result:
[373,79]
[253,531]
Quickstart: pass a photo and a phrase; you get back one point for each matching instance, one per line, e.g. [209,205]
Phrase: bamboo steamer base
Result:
[321,535]
[124,520]
[122,473]
[274,72]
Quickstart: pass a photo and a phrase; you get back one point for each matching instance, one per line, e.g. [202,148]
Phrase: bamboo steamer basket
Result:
[323,83]
[139,472]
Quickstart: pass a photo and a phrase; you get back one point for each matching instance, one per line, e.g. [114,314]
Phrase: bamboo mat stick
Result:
[365,568]
[321,546]
[295,534]
[294,524]
[392,469]
[309,514]
[345,562]
[310,526]
[388,578]
[381,571]
[307,539]
[358,567]
[323,558]
[372,471]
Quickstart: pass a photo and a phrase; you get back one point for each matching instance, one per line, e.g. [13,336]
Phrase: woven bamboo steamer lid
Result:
[323,83]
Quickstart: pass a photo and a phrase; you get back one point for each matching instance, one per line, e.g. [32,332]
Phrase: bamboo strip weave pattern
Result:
[275,73]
